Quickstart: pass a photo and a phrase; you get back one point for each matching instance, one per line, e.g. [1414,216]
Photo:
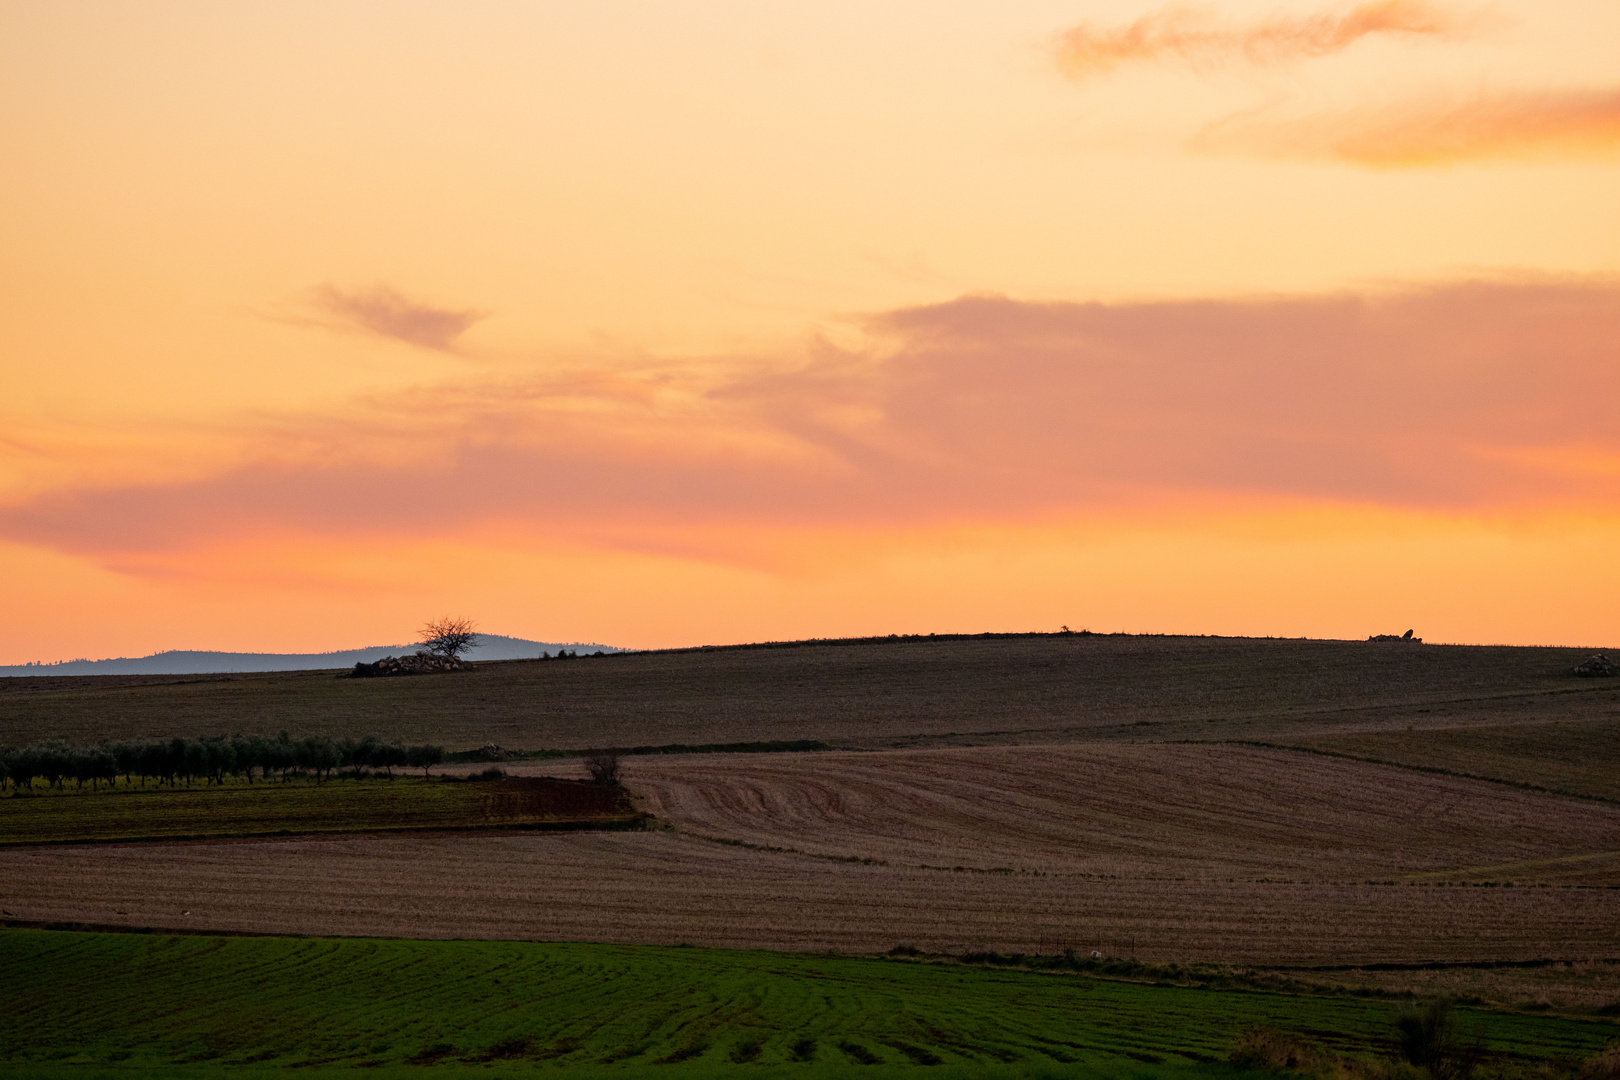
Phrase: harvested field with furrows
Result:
[668,889]
[1578,757]
[868,694]
[1175,853]
[1117,810]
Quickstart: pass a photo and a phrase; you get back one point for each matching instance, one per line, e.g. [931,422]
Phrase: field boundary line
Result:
[637,823]
[857,859]
[1443,965]
[1523,864]
[67,926]
[1436,770]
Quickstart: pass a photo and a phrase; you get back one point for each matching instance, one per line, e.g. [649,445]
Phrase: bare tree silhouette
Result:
[448,637]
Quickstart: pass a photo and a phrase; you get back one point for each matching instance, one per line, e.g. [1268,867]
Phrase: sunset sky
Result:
[675,323]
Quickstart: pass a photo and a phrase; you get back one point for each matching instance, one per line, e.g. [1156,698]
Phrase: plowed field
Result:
[1577,757]
[1173,853]
[1117,810]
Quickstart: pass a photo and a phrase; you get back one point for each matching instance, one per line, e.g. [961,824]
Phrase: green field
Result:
[133,1005]
[275,808]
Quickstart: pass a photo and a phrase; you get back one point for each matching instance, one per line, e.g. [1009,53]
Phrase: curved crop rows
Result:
[1170,853]
[1205,811]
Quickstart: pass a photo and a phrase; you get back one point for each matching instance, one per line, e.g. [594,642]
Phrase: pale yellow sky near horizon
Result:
[629,321]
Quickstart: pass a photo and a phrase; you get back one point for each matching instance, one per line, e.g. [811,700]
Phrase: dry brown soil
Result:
[1139,811]
[1184,853]
[1581,757]
[882,694]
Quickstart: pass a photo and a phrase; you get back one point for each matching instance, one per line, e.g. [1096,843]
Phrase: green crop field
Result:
[134,1005]
[240,809]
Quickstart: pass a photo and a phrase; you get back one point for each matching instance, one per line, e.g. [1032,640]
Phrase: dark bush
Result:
[747,1050]
[1429,1038]
[603,765]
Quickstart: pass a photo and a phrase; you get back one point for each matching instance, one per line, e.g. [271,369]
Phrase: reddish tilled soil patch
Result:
[274,808]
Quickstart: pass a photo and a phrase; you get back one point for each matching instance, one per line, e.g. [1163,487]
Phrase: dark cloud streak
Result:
[383,311]
[1481,398]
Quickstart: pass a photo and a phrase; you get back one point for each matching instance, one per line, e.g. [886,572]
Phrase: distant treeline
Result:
[209,760]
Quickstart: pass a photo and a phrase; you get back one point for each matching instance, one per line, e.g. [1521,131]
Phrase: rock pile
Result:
[490,752]
[422,663]
[1599,666]
[1397,637]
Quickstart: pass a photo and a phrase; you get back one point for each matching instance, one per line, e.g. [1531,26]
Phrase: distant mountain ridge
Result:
[203,662]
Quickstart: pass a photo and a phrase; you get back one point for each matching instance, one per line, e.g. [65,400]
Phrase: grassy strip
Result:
[295,808]
[80,1004]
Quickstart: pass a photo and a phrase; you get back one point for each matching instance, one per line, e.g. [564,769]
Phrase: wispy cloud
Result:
[1197,37]
[1526,125]
[1471,398]
[381,310]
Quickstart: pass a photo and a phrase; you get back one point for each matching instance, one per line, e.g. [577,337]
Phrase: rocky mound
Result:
[1599,666]
[422,663]
[1397,637]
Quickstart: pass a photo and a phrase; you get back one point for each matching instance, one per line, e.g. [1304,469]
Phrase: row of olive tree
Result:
[209,759]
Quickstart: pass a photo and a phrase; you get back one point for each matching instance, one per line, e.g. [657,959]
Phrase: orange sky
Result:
[671,324]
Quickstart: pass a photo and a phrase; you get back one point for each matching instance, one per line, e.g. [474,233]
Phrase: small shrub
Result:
[603,765]
[1268,1048]
[1429,1039]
